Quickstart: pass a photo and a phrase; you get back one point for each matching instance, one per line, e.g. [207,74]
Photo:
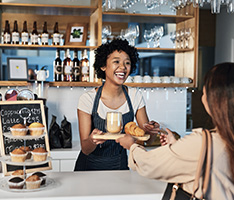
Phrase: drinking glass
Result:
[148,37]
[187,34]
[114,122]
[106,31]
[173,37]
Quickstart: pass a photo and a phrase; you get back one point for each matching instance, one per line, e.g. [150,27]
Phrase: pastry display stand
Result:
[28,162]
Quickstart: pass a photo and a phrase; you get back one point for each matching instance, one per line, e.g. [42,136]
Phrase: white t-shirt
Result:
[86,102]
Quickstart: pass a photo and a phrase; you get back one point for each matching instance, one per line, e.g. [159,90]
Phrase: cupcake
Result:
[33,182]
[36,129]
[18,155]
[19,130]
[16,183]
[42,176]
[28,150]
[19,173]
[39,154]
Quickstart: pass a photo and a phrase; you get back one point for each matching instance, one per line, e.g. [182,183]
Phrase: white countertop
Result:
[96,185]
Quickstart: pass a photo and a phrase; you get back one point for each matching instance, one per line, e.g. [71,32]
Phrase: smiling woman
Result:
[114,62]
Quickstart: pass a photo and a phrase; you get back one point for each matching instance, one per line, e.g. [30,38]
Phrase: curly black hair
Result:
[103,51]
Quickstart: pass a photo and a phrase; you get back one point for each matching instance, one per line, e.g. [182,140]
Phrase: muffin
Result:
[19,173]
[19,130]
[39,154]
[28,150]
[33,182]
[36,129]
[42,176]
[18,155]
[16,183]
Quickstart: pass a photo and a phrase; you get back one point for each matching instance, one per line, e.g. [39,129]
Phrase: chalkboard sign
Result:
[22,112]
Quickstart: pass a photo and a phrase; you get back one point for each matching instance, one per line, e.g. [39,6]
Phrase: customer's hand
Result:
[96,141]
[168,138]
[126,142]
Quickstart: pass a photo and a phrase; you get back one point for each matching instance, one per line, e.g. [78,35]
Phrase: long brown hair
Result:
[219,85]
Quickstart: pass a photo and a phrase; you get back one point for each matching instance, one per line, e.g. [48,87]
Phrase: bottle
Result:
[67,67]
[56,35]
[84,64]
[58,70]
[34,36]
[76,67]
[24,34]
[45,35]
[7,34]
[15,34]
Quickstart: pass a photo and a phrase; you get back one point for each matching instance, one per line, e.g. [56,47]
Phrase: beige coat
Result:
[178,162]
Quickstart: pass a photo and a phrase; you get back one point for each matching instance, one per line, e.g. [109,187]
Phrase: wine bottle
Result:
[45,35]
[56,35]
[58,70]
[24,34]
[67,67]
[6,33]
[15,34]
[34,36]
[76,67]
[84,64]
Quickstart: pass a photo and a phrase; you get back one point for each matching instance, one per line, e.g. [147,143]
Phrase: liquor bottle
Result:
[67,67]
[56,35]
[45,35]
[7,34]
[58,70]
[84,64]
[76,67]
[24,34]
[34,36]
[15,34]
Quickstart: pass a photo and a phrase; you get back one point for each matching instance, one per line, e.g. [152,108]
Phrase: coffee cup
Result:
[137,79]
[147,79]
[114,123]
[129,79]
[175,79]
[185,80]
[166,79]
[157,79]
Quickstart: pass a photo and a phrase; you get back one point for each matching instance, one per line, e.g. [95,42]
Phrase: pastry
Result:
[16,183]
[18,155]
[28,150]
[19,173]
[33,182]
[19,130]
[132,129]
[39,154]
[42,176]
[36,129]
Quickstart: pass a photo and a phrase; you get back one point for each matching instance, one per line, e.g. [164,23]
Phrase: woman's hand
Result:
[168,138]
[126,142]
[96,141]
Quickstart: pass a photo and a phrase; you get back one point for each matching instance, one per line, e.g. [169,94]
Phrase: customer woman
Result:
[114,62]
[177,160]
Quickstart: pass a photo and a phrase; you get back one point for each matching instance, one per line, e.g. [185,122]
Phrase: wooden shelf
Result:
[20,46]
[143,18]
[13,83]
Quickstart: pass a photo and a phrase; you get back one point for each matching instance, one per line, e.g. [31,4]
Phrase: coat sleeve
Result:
[170,163]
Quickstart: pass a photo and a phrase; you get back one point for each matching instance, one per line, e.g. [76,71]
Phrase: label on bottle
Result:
[68,69]
[44,38]
[85,71]
[57,68]
[15,37]
[77,71]
[24,37]
[56,38]
[34,39]
[7,38]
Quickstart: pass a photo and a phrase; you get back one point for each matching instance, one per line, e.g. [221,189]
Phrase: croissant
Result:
[132,129]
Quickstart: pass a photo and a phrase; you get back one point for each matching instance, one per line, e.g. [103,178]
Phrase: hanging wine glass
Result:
[106,32]
[148,37]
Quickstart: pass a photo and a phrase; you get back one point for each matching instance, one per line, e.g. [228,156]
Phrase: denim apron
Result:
[109,155]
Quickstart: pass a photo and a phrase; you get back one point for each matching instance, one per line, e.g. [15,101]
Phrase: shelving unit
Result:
[92,14]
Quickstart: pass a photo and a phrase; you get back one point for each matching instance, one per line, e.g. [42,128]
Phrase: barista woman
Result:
[114,62]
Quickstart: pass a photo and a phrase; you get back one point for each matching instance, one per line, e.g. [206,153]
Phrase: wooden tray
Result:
[114,136]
